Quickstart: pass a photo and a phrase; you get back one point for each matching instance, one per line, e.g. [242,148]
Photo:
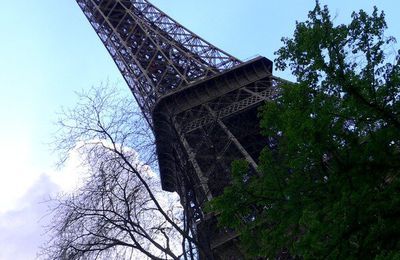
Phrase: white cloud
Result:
[72,174]
[23,192]
[21,230]
[22,207]
[17,171]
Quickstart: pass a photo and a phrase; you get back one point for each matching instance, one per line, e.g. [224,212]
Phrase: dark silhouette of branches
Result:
[119,212]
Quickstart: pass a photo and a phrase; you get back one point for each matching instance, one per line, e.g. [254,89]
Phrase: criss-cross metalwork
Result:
[201,103]
[154,53]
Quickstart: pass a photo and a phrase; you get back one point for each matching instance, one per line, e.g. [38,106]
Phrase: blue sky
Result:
[48,51]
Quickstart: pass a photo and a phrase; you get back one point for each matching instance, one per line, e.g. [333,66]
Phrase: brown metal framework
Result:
[200,129]
[200,102]
[154,53]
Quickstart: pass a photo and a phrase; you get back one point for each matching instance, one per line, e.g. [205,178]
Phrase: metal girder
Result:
[198,115]
[154,53]
[200,102]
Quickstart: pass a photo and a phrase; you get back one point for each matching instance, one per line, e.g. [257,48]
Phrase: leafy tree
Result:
[329,185]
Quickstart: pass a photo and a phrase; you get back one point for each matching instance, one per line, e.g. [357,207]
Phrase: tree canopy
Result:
[329,179]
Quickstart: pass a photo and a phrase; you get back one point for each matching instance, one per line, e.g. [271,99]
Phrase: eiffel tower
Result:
[200,102]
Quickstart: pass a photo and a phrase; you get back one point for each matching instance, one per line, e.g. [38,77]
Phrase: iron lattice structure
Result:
[154,53]
[200,102]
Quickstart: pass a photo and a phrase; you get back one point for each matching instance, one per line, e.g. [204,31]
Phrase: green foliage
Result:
[329,187]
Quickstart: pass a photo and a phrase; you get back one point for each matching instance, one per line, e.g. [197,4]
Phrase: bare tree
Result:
[119,212]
